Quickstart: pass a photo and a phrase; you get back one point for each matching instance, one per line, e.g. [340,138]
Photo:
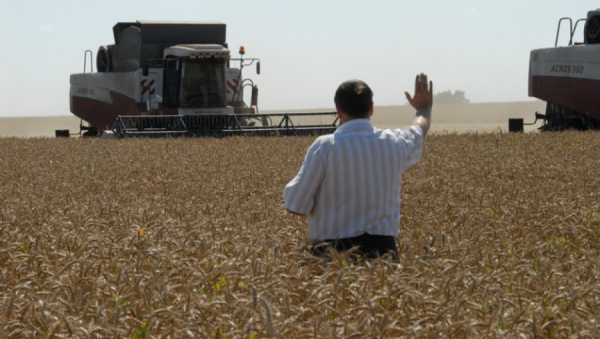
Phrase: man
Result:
[349,183]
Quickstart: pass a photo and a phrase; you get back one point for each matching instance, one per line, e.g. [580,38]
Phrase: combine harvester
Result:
[164,78]
[568,79]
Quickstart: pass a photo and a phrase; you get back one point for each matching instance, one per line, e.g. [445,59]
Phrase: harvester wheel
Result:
[92,132]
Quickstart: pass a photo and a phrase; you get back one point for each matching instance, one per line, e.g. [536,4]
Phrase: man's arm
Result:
[299,193]
[422,102]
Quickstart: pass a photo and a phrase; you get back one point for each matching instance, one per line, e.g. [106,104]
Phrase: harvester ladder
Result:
[571,29]
[85,55]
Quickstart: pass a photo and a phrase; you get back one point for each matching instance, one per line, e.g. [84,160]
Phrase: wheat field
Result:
[188,238]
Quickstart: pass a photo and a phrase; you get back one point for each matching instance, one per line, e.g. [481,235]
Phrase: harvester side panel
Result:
[234,85]
[567,76]
[99,98]
[150,87]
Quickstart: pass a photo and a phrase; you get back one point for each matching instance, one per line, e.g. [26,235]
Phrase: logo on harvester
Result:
[567,69]
[232,86]
[86,91]
[147,87]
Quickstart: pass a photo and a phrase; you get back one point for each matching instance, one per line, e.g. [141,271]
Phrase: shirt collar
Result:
[355,125]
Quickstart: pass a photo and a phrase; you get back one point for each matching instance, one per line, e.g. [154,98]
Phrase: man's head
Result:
[354,98]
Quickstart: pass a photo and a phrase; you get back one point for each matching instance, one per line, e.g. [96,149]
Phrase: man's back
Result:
[361,171]
[349,183]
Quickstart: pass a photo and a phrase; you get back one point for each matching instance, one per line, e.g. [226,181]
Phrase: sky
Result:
[306,47]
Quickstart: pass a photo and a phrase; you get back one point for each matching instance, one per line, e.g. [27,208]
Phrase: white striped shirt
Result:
[349,183]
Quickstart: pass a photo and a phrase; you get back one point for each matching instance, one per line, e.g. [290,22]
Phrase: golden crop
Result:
[188,238]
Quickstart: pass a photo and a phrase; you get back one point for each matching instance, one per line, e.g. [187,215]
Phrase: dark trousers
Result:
[368,246]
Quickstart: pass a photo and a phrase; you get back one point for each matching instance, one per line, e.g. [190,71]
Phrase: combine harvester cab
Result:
[164,78]
[568,78]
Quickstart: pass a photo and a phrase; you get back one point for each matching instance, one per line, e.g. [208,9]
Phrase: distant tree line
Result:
[447,97]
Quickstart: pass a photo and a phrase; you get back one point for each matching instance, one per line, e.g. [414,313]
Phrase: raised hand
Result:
[423,97]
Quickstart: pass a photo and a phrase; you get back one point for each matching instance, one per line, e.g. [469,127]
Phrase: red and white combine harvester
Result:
[568,78]
[165,78]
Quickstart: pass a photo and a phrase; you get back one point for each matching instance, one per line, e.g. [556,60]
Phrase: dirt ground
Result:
[481,117]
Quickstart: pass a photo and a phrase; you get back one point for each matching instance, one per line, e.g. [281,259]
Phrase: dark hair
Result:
[354,98]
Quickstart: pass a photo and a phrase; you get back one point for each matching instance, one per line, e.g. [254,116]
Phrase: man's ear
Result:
[372,110]
[339,114]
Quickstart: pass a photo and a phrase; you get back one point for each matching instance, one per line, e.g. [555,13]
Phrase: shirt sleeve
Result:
[413,143]
[299,194]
